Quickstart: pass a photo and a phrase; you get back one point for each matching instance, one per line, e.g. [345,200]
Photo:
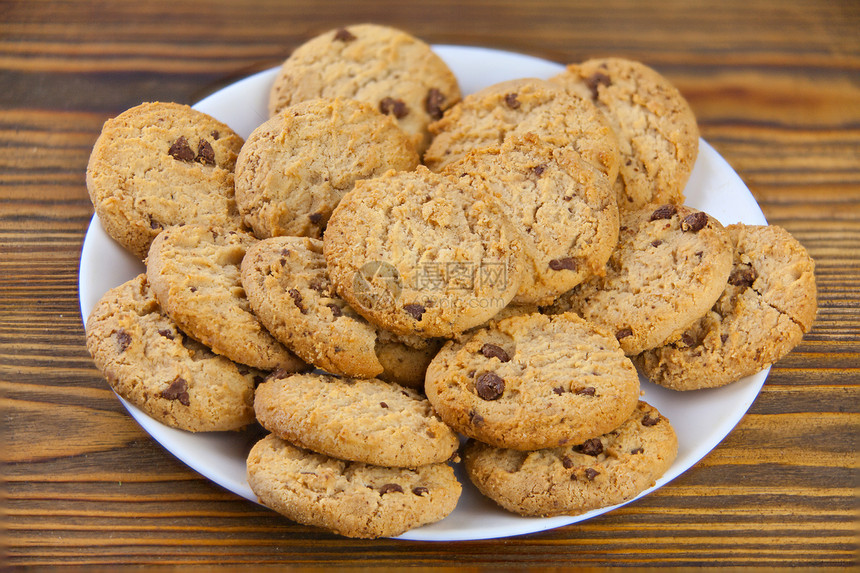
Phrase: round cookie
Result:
[767,306]
[603,471]
[148,361]
[287,286]
[533,381]
[658,137]
[368,421]
[294,168]
[162,164]
[669,268]
[562,207]
[515,108]
[194,271]
[349,498]
[391,70]
[417,253]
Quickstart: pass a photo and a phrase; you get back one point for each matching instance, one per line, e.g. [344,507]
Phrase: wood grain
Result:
[775,87]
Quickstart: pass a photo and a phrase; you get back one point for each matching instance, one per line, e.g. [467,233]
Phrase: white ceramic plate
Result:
[701,418]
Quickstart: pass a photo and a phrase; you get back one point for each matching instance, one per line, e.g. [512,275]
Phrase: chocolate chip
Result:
[592,447]
[649,421]
[475,419]
[623,333]
[178,390]
[724,338]
[493,351]
[433,103]
[166,333]
[383,404]
[343,35]
[664,212]
[153,224]
[565,263]
[335,309]
[420,491]
[193,289]
[215,135]
[688,339]
[743,277]
[319,284]
[315,218]
[180,150]
[591,474]
[395,107]
[558,390]
[297,299]
[637,451]
[695,222]
[656,243]
[415,310]
[511,101]
[566,462]
[539,169]
[490,386]
[123,339]
[205,153]
[595,81]
[390,488]
[587,391]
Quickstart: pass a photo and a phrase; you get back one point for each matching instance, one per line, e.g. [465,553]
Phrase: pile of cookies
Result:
[384,269]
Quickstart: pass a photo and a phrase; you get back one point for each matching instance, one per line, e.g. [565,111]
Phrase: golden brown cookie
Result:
[562,207]
[349,498]
[516,108]
[362,420]
[417,253]
[603,471]
[767,306]
[194,271]
[389,69]
[294,168]
[151,363]
[162,164]
[658,137]
[533,381]
[671,265]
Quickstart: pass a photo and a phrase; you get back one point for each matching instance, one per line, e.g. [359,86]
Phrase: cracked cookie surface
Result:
[350,498]
[767,306]
[533,381]
[288,287]
[516,108]
[362,420]
[417,253]
[571,480]
[562,207]
[194,271]
[294,168]
[670,266]
[161,164]
[658,136]
[171,377]
[389,69]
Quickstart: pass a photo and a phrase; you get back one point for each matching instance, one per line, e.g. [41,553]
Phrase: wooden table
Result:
[776,88]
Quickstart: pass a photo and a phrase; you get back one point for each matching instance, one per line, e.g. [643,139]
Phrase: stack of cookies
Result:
[383,270]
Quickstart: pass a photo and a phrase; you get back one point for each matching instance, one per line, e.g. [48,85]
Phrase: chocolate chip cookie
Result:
[767,306]
[533,381]
[294,168]
[515,108]
[194,271]
[658,137]
[391,70]
[417,253]
[670,266]
[349,498]
[162,164]
[603,471]
[151,363]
